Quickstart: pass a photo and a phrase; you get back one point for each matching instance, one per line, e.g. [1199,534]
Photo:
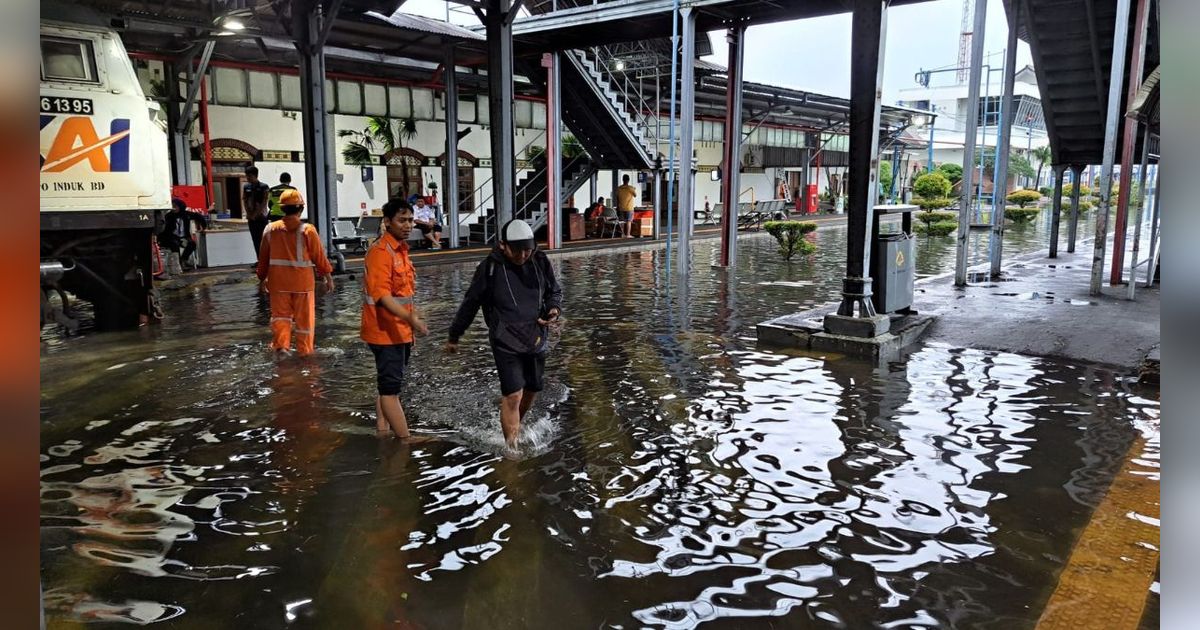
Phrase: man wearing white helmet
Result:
[516,287]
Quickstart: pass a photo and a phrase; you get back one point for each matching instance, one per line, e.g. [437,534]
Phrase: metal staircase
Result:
[600,115]
[530,196]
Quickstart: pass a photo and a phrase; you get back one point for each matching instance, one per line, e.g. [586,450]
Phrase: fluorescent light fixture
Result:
[234,24]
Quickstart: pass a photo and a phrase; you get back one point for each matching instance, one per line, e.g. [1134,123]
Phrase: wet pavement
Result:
[674,473]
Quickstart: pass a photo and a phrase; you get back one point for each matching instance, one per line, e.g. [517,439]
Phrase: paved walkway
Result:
[1042,308]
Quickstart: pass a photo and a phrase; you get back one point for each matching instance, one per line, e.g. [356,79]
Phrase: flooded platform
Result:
[675,474]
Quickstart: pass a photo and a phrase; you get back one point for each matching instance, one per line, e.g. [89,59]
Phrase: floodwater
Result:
[674,474]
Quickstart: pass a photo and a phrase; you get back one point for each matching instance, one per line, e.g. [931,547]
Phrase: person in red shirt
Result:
[389,317]
[289,253]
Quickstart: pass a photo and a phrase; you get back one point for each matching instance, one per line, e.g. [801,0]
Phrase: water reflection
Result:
[674,475]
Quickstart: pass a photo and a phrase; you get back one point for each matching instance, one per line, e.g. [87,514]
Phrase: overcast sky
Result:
[814,55]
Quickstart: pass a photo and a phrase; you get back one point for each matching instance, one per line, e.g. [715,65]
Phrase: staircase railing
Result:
[633,133]
[467,218]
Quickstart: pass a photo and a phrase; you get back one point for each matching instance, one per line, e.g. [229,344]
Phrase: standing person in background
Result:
[285,183]
[516,287]
[254,206]
[626,197]
[389,318]
[291,251]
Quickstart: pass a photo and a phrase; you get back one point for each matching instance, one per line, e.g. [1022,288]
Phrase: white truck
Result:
[105,175]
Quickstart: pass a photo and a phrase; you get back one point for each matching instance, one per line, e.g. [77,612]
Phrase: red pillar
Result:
[1129,141]
[208,174]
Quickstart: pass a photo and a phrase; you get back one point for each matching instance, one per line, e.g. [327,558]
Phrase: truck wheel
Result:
[119,312]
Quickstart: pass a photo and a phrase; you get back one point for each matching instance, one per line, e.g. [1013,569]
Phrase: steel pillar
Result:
[1003,141]
[1137,65]
[498,24]
[181,154]
[1152,262]
[1073,224]
[1137,219]
[687,118]
[1116,78]
[593,186]
[659,202]
[968,190]
[1056,217]
[553,151]
[450,198]
[732,148]
[321,200]
[868,36]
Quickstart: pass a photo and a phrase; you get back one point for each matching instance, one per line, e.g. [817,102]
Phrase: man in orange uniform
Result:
[389,316]
[289,253]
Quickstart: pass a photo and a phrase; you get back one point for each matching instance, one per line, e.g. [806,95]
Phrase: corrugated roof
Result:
[410,22]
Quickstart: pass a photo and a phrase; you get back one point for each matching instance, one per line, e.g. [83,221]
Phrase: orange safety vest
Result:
[290,258]
[387,271]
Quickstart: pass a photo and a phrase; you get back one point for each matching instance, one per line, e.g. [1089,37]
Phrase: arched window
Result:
[404,172]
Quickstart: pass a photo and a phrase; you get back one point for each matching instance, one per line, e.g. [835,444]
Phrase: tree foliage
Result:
[953,172]
[790,236]
[885,178]
[932,185]
[1017,165]
[1020,216]
[1024,197]
[382,135]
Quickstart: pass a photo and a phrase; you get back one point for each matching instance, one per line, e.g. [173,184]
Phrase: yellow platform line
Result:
[1107,579]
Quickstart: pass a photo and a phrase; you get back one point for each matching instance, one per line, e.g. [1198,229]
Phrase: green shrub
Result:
[932,204]
[931,217]
[1046,191]
[952,172]
[932,185]
[1020,216]
[1024,197]
[790,236]
[1084,205]
[1084,191]
[937,228]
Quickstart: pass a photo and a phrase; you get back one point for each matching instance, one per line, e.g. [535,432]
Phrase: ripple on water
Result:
[671,475]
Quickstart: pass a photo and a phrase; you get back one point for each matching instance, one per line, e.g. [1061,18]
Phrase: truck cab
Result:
[104,173]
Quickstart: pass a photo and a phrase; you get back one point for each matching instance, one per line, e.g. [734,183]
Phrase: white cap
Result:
[518,234]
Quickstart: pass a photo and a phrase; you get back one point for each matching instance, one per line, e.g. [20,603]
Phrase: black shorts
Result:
[390,364]
[425,229]
[519,371]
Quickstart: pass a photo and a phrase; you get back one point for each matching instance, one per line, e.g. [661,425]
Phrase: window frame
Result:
[92,63]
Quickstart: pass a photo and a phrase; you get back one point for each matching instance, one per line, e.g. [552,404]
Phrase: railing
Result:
[482,206]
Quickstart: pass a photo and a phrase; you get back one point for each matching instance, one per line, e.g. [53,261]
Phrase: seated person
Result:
[594,218]
[426,221]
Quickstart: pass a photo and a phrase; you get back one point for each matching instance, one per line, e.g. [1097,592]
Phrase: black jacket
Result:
[508,291]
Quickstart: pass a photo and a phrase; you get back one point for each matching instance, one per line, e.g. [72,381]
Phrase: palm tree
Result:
[1042,154]
[380,136]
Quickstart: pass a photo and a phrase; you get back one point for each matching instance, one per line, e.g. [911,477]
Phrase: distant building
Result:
[950,104]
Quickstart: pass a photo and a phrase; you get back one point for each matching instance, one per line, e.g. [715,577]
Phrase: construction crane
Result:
[964,41]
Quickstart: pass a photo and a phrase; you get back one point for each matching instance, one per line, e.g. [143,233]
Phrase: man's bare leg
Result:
[393,412]
[510,417]
[381,423]
[527,398]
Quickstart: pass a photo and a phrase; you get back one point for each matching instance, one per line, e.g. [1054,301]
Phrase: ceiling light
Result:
[234,24]
[620,65]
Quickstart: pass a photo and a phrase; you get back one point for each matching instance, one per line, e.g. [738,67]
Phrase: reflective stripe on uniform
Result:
[283,262]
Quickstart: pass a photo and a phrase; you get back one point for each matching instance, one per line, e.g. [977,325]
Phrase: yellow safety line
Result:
[1107,579]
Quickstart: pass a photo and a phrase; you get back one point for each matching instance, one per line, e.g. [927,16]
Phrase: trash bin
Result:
[892,264]
[892,272]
